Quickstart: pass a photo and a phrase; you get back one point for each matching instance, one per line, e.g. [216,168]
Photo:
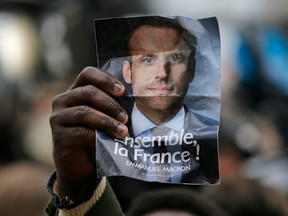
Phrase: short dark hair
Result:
[163,22]
[174,199]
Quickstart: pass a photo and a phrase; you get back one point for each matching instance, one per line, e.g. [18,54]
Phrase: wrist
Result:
[76,189]
[84,207]
[70,194]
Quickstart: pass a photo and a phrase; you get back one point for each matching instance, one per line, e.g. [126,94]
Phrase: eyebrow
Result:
[183,53]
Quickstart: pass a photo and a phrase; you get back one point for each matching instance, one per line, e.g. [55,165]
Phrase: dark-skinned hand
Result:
[88,105]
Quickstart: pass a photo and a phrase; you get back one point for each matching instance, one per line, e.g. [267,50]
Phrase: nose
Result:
[163,69]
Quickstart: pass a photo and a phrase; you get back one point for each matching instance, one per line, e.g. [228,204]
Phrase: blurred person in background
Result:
[241,196]
[21,177]
[251,145]
[232,157]
[174,202]
[261,113]
[41,46]
[22,189]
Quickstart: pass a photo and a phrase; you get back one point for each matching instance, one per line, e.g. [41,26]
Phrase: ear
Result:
[126,72]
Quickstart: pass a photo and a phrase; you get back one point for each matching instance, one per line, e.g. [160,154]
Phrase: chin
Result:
[161,103]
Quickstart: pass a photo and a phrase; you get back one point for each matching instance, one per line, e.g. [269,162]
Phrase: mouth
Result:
[160,91]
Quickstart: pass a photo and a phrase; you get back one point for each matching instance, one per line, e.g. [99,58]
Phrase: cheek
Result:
[139,80]
[181,82]
[140,75]
[179,75]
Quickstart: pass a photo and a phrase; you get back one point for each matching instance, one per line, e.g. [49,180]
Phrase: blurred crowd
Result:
[44,44]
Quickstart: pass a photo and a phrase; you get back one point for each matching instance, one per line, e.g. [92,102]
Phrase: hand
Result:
[86,106]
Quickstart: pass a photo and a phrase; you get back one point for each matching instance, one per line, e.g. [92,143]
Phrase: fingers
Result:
[96,77]
[90,103]
[88,118]
[93,97]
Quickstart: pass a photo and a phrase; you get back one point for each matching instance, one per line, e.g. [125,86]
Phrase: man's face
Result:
[158,67]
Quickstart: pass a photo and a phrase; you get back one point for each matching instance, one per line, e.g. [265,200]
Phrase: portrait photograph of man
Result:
[171,69]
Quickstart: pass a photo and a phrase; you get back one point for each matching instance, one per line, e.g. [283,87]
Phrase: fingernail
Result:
[117,87]
[122,116]
[120,129]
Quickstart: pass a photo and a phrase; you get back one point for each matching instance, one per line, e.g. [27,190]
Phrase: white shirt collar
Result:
[141,123]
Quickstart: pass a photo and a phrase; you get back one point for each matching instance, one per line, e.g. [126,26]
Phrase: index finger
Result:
[103,80]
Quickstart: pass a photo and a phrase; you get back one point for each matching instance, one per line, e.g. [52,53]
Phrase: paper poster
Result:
[170,67]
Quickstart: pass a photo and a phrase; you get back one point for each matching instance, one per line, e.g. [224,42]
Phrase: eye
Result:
[148,59]
[175,58]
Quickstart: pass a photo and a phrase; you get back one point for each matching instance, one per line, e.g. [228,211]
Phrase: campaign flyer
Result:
[170,67]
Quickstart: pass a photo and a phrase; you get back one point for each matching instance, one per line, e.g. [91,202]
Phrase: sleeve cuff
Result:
[83,208]
[65,202]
